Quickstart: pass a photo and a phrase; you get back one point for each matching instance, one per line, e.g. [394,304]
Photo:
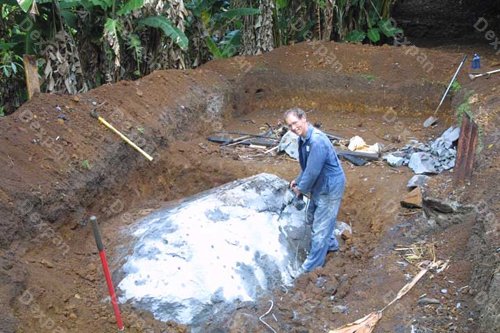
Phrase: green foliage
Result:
[212,47]
[388,29]
[464,108]
[130,6]
[369,77]
[25,4]
[374,35]
[168,29]
[320,3]
[365,19]
[85,164]
[104,4]
[134,44]
[238,12]
[10,63]
[125,34]
[221,24]
[355,36]
[2,111]
[281,4]
[455,87]
[227,47]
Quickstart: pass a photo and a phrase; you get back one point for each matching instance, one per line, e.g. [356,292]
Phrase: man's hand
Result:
[296,190]
[292,184]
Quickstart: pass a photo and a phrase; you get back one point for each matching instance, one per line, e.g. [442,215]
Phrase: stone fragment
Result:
[427,301]
[340,309]
[417,181]
[394,161]
[290,145]
[47,263]
[413,199]
[422,163]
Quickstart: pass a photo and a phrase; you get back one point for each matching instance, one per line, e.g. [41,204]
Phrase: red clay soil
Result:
[59,166]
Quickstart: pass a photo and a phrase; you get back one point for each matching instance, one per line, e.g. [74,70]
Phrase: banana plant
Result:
[221,25]
[115,12]
[372,21]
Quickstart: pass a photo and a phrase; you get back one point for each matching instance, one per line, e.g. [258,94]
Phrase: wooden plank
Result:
[31,72]
[466,150]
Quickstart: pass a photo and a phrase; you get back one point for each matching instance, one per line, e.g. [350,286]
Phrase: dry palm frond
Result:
[418,252]
[63,72]
[363,325]
[328,13]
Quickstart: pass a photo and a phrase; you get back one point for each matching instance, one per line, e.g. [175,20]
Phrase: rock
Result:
[243,320]
[440,206]
[413,199]
[450,136]
[417,181]
[76,99]
[73,315]
[427,301]
[290,145]
[346,235]
[394,161]
[47,263]
[422,162]
[340,309]
[320,282]
[444,291]
[343,230]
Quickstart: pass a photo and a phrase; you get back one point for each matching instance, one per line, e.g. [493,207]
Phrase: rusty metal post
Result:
[466,150]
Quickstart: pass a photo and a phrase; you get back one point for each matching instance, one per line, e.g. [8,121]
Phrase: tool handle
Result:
[97,234]
[111,290]
[451,82]
[107,274]
[124,138]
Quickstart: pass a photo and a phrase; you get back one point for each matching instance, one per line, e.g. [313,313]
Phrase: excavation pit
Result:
[382,95]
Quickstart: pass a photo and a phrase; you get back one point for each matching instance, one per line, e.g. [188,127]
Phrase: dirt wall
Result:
[59,161]
[446,19]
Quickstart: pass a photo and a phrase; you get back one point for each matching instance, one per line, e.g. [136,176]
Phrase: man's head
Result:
[296,120]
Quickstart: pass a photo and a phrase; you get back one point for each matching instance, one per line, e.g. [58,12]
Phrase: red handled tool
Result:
[105,268]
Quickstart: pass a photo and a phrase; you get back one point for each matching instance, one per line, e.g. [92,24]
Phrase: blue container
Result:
[476,61]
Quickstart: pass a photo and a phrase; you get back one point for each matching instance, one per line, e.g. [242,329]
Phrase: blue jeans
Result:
[322,213]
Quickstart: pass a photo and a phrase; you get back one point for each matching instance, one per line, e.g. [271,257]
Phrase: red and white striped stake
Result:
[105,268]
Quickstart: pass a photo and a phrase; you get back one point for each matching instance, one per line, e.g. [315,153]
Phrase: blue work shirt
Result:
[321,170]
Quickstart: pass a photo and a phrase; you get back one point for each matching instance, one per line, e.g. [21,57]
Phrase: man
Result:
[323,178]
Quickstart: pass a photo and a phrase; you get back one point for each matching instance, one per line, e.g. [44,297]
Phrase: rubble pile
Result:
[427,158]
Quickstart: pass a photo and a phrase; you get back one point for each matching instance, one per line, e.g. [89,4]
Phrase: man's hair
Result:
[297,112]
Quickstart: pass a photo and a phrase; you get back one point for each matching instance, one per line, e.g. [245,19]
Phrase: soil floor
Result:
[61,166]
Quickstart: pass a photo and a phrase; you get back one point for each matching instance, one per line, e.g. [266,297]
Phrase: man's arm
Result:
[315,163]
[298,179]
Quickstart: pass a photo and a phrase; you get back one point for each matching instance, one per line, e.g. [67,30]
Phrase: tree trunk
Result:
[31,71]
[257,34]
